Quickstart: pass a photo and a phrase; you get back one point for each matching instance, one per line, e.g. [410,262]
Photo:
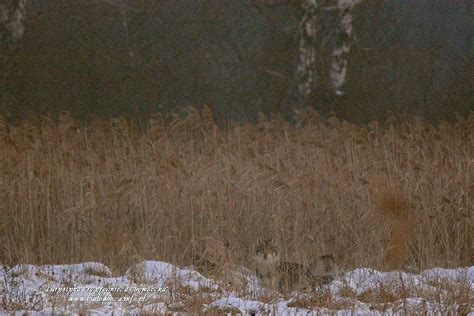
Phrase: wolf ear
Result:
[259,241]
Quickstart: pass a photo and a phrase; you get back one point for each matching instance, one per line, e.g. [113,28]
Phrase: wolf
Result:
[267,263]
[275,274]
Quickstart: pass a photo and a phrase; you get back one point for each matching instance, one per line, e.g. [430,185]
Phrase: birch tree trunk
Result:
[304,77]
[343,44]
[12,14]
[309,27]
[311,36]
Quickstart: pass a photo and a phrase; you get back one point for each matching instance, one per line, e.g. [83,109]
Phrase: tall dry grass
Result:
[111,192]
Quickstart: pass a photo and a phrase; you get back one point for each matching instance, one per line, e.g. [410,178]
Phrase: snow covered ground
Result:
[159,287]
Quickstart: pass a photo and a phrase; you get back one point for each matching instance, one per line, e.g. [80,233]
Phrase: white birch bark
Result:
[307,47]
[338,69]
[12,15]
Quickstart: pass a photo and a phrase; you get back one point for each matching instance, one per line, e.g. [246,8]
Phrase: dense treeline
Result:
[110,58]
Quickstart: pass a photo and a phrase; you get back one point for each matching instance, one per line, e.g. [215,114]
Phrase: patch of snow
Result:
[154,287]
[457,275]
[160,274]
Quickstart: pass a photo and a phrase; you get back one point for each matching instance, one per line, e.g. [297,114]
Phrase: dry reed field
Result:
[398,194]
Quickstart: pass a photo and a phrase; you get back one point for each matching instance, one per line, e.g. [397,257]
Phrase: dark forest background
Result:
[134,58]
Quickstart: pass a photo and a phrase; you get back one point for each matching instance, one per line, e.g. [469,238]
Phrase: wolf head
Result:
[328,264]
[267,251]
